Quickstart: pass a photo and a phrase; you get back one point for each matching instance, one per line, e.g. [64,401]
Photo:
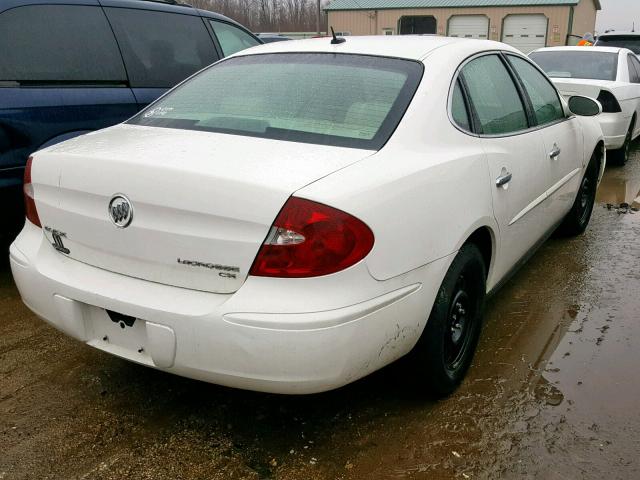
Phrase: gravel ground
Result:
[553,392]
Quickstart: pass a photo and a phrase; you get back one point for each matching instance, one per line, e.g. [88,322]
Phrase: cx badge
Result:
[120,211]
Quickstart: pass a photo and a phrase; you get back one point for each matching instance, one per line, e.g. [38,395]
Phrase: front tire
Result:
[447,345]
[577,220]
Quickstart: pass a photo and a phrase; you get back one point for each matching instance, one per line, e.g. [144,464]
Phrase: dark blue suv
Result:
[71,66]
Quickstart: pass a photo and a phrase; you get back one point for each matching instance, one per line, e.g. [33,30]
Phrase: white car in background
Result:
[609,74]
[303,213]
[620,39]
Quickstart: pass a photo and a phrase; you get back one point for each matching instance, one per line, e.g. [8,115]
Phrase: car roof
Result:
[179,7]
[413,47]
[158,6]
[615,33]
[581,49]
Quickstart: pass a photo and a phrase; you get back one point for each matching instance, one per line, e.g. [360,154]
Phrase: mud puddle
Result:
[553,392]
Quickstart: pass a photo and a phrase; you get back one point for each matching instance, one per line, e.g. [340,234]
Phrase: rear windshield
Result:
[574,64]
[621,41]
[330,99]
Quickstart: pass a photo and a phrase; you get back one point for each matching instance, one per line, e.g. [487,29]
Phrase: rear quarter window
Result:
[459,111]
[231,38]
[58,43]
[161,49]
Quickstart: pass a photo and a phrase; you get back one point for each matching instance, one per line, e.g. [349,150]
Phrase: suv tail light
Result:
[29,202]
[309,239]
[609,102]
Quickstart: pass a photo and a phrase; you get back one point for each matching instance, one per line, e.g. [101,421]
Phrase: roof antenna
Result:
[336,40]
[633,29]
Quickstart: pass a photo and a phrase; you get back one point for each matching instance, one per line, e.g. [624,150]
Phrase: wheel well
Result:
[482,239]
[599,153]
[632,124]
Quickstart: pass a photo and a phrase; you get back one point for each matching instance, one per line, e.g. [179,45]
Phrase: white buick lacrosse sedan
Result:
[303,213]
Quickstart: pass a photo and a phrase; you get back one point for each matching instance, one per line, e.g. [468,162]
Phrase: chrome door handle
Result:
[504,178]
[555,153]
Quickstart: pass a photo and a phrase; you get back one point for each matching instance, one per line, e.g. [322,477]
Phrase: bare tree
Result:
[268,15]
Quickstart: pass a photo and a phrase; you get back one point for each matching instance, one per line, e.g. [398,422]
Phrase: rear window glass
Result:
[630,42]
[58,43]
[333,99]
[161,49]
[575,64]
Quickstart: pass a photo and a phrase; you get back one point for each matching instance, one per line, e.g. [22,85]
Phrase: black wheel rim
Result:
[627,145]
[461,323]
[587,191]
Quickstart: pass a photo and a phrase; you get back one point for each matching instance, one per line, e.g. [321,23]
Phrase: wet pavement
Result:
[554,392]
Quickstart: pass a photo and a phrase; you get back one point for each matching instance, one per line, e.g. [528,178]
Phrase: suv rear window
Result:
[58,43]
[332,99]
[578,64]
[161,49]
[632,42]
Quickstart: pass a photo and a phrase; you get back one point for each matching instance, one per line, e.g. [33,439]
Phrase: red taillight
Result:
[309,239]
[609,102]
[29,202]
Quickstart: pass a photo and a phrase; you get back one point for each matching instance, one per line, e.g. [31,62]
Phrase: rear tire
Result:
[447,345]
[577,219]
[621,155]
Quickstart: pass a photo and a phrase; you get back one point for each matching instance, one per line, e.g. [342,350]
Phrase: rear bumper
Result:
[259,338]
[614,128]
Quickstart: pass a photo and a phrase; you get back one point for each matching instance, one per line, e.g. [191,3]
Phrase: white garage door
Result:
[525,32]
[469,26]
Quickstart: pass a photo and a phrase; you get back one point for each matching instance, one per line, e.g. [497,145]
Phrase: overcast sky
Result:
[618,14]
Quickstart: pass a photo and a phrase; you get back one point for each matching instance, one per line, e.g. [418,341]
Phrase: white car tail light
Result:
[609,102]
[29,202]
[309,239]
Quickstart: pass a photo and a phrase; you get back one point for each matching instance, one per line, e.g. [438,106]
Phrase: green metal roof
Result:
[390,4]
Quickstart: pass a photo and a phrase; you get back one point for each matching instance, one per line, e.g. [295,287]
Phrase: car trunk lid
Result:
[202,202]
[569,87]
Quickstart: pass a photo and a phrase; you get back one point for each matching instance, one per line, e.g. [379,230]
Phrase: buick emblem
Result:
[120,211]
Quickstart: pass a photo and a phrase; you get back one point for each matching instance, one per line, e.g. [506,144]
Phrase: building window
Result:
[417,25]
[387,31]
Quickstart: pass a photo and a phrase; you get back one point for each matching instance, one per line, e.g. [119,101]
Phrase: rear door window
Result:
[232,39]
[161,49]
[634,69]
[494,96]
[633,75]
[58,44]
[544,97]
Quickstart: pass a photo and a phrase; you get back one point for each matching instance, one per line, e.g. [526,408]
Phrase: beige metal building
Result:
[525,24]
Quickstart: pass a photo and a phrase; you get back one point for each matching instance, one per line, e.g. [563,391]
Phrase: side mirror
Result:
[584,106]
